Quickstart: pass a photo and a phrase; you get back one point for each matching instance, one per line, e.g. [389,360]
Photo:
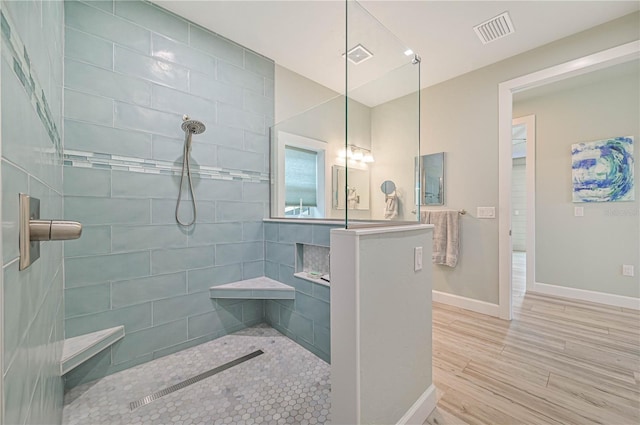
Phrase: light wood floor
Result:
[519,273]
[557,362]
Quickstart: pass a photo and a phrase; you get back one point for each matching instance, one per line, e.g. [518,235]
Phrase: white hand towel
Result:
[446,235]
[391,206]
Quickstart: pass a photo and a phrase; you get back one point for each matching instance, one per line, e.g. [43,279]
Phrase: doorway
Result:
[605,58]
[522,206]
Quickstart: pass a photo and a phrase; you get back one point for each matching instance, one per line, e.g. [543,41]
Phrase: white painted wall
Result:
[584,252]
[460,117]
[394,129]
[381,326]
[295,94]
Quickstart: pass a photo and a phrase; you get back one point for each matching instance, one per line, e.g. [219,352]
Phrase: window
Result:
[300,176]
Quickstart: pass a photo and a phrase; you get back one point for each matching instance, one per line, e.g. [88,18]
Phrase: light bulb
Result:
[357,156]
[368,158]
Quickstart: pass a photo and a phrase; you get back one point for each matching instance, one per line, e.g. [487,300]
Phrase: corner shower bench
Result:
[259,288]
[81,348]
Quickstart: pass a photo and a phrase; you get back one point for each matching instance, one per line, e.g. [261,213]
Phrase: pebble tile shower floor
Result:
[285,385]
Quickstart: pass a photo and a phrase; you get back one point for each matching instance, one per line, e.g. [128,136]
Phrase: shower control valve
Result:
[33,230]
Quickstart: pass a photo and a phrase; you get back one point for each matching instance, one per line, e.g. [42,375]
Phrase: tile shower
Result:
[131,70]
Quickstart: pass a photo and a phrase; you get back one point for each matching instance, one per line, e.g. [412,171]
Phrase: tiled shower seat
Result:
[78,349]
[260,288]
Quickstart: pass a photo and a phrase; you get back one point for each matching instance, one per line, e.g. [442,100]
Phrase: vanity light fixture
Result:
[356,153]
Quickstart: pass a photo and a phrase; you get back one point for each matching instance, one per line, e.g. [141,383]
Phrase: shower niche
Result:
[312,263]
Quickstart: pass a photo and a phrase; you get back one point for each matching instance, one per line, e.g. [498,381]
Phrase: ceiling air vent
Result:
[495,28]
[358,54]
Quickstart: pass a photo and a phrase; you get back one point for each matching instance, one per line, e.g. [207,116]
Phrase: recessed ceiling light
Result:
[408,52]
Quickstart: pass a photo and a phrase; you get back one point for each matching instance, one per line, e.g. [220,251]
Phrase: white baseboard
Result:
[478,306]
[585,295]
[421,409]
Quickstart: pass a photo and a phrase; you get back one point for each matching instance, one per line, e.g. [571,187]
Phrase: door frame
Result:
[506,89]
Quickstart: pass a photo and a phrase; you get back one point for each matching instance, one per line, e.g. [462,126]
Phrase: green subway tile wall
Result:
[305,319]
[31,162]
[132,70]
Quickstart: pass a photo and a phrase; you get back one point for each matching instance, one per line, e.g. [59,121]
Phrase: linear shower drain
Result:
[180,385]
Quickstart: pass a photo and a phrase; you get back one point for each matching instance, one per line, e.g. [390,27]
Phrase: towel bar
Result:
[461,212]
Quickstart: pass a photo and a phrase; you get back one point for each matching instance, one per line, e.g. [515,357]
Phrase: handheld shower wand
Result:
[190,127]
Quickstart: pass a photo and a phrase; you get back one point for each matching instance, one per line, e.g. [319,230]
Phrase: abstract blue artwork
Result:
[602,171]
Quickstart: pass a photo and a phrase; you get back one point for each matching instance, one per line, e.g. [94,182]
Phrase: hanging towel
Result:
[391,206]
[446,235]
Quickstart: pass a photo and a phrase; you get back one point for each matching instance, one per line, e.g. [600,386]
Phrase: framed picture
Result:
[602,171]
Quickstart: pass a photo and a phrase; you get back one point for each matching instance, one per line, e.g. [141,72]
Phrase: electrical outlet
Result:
[486,212]
[627,270]
[417,258]
[578,211]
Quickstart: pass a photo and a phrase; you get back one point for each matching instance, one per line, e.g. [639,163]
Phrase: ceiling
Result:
[307,37]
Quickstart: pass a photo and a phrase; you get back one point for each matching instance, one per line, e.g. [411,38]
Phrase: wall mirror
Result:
[357,188]
[432,179]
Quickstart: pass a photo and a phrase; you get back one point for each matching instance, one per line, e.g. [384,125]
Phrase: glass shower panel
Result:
[382,108]
[317,135]
[360,144]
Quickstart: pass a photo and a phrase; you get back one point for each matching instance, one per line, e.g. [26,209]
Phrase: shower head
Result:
[193,126]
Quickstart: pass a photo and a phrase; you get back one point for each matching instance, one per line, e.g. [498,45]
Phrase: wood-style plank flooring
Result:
[557,362]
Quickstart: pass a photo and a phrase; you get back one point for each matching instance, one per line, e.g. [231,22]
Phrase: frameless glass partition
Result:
[352,157]
[383,76]
[304,149]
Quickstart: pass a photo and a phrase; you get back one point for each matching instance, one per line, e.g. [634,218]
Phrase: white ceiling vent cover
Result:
[358,54]
[495,28]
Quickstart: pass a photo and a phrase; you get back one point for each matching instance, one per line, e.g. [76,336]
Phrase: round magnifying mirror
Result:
[388,187]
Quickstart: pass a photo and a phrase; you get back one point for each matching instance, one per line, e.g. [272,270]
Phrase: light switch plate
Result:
[486,212]
[578,211]
[627,270]
[417,258]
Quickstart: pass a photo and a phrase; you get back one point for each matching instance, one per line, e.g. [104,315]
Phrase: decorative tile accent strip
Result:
[152,166]
[16,53]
